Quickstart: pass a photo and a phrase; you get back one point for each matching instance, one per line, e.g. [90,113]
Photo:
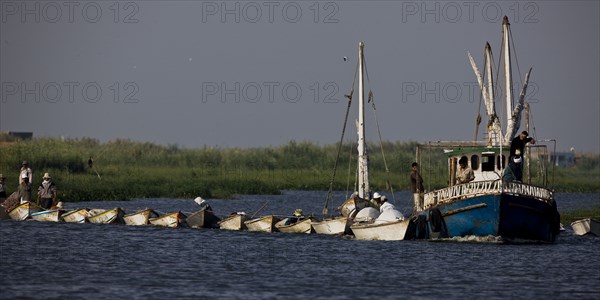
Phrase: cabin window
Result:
[487,162]
[475,162]
[501,162]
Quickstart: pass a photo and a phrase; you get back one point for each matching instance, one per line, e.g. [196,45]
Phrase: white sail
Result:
[513,127]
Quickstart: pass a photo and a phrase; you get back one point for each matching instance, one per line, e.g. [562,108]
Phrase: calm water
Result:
[44,260]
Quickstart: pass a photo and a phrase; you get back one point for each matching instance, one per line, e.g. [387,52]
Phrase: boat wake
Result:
[488,239]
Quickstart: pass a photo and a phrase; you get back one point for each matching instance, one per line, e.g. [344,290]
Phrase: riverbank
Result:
[124,169]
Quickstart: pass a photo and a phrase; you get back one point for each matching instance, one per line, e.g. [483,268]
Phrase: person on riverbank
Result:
[2,188]
[24,191]
[416,186]
[513,170]
[464,174]
[47,192]
[25,171]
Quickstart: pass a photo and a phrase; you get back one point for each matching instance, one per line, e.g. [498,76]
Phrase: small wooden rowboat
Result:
[302,226]
[172,220]
[76,216]
[24,211]
[263,224]
[586,226]
[51,215]
[108,216]
[140,217]
[203,218]
[234,222]
[339,225]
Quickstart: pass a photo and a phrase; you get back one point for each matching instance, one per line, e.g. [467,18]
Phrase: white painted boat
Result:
[262,224]
[76,216]
[140,217]
[172,220]
[302,226]
[51,215]
[234,222]
[204,218]
[339,225]
[23,211]
[385,231]
[106,216]
[586,226]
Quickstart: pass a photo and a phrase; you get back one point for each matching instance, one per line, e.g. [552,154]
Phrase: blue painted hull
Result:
[505,215]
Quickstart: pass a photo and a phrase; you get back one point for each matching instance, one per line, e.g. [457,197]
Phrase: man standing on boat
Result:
[47,192]
[464,174]
[25,171]
[24,191]
[416,186]
[519,142]
[513,171]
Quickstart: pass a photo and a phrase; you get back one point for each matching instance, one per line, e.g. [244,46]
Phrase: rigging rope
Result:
[372,101]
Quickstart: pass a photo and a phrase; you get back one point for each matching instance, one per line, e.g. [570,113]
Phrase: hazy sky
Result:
[260,73]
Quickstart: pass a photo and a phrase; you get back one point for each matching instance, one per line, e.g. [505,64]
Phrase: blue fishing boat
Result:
[484,197]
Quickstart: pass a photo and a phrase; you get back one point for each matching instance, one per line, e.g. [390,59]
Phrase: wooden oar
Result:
[254,214]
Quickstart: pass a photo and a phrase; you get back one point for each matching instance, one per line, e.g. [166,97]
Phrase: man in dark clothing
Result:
[416,186]
[518,143]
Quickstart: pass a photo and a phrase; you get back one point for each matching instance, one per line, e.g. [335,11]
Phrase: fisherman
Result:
[513,170]
[24,191]
[2,188]
[464,174]
[297,217]
[91,163]
[376,201]
[416,186]
[25,171]
[385,205]
[519,142]
[47,192]
[203,203]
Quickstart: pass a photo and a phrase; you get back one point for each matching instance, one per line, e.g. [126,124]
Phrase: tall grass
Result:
[125,169]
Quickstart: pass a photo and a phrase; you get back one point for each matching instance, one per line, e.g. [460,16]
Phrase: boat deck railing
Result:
[482,188]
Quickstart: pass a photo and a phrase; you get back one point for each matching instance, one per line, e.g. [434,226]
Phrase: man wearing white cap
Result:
[375,202]
[47,192]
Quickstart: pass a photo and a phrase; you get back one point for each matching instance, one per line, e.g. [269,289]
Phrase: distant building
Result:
[563,159]
[21,135]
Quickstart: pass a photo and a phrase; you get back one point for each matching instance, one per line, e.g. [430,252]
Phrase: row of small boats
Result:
[28,210]
[368,224]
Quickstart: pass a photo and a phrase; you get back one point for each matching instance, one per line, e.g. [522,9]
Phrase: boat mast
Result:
[507,72]
[363,160]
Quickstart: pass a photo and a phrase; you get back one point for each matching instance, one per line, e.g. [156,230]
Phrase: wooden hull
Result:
[53,215]
[302,226]
[24,211]
[586,226]
[352,205]
[203,219]
[263,224]
[388,231]
[338,225]
[141,217]
[109,216]
[173,220]
[234,222]
[76,216]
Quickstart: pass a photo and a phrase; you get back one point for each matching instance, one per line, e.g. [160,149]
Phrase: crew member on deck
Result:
[519,142]
[464,174]
[47,192]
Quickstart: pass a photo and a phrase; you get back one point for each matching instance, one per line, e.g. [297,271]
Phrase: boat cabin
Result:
[486,163]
